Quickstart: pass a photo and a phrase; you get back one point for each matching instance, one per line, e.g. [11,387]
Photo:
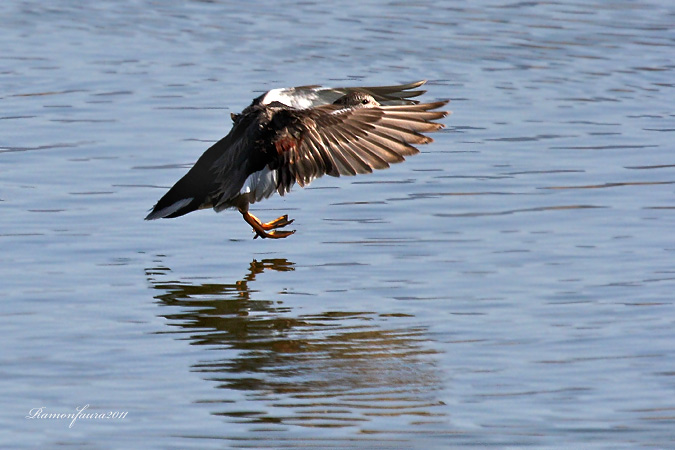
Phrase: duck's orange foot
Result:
[279,222]
[261,229]
[274,234]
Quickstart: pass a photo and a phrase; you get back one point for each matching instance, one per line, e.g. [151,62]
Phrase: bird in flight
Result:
[294,135]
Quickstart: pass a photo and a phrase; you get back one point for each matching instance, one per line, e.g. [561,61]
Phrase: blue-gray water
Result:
[511,286]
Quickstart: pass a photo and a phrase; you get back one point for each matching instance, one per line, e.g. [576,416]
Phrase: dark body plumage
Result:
[295,135]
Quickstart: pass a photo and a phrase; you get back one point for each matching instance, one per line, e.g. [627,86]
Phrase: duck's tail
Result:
[182,198]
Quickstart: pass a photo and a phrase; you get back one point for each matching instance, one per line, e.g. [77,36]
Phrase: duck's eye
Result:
[364,101]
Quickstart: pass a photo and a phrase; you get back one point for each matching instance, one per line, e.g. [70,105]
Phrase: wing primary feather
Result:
[356,137]
[342,165]
[342,145]
[385,140]
[384,149]
[411,124]
[418,107]
[421,116]
[402,134]
[374,160]
[330,163]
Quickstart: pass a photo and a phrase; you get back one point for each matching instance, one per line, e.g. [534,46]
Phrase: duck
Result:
[290,136]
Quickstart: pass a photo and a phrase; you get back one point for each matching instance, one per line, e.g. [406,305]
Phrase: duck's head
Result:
[357,100]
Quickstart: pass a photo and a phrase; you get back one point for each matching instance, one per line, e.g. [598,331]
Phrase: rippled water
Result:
[510,286]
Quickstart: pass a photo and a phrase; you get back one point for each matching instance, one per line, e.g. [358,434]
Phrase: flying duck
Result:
[294,135]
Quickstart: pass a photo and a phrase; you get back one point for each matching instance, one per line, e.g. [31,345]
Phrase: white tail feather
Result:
[167,211]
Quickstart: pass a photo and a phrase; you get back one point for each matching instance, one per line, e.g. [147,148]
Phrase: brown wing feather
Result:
[336,140]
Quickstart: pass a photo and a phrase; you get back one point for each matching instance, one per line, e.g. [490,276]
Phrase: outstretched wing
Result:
[337,140]
[304,97]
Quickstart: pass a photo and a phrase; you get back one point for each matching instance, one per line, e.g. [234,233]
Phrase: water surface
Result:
[510,286]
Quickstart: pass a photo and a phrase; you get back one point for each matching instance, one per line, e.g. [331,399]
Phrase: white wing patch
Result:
[303,97]
[260,185]
[341,111]
[290,97]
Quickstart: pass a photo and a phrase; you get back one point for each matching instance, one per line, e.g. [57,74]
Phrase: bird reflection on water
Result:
[332,369]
